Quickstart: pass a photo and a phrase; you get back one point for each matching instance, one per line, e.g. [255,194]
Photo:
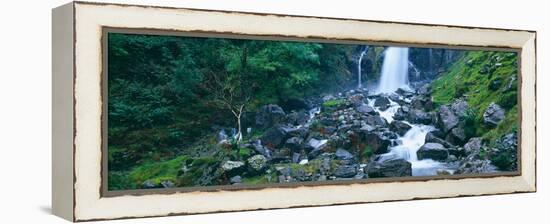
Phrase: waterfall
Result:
[359,82]
[394,70]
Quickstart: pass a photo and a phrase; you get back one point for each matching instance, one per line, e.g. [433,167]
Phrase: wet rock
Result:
[366,109]
[493,115]
[431,137]
[401,114]
[345,171]
[433,151]
[269,115]
[232,168]
[399,127]
[389,168]
[382,102]
[343,154]
[447,118]
[257,163]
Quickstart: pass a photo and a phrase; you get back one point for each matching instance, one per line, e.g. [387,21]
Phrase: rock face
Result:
[389,168]
[269,115]
[493,115]
[447,119]
[433,151]
[399,127]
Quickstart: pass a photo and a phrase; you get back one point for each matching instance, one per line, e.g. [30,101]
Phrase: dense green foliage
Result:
[164,91]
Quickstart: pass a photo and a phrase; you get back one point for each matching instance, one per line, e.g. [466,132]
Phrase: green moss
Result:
[334,103]
[471,78]
[157,172]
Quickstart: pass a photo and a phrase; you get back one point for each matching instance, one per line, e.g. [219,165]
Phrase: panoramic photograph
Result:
[205,111]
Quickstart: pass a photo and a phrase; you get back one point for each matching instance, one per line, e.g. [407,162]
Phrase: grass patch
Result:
[334,103]
[472,78]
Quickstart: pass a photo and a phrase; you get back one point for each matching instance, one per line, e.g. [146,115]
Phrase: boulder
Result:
[460,107]
[297,118]
[419,116]
[275,136]
[232,168]
[281,155]
[235,180]
[473,145]
[382,102]
[366,109]
[399,127]
[401,114]
[447,118]
[257,163]
[376,120]
[493,115]
[389,168]
[425,90]
[343,154]
[433,151]
[378,142]
[356,99]
[269,115]
[457,136]
[294,143]
[422,103]
[431,137]
[345,171]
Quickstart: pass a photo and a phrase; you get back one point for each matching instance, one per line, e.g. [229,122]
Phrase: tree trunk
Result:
[239,132]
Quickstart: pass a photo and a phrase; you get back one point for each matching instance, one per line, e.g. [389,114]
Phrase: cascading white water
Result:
[359,82]
[409,144]
[395,70]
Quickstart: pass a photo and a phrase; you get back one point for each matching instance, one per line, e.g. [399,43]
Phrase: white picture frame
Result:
[77,110]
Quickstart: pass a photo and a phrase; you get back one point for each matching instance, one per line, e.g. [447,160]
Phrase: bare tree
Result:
[228,93]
